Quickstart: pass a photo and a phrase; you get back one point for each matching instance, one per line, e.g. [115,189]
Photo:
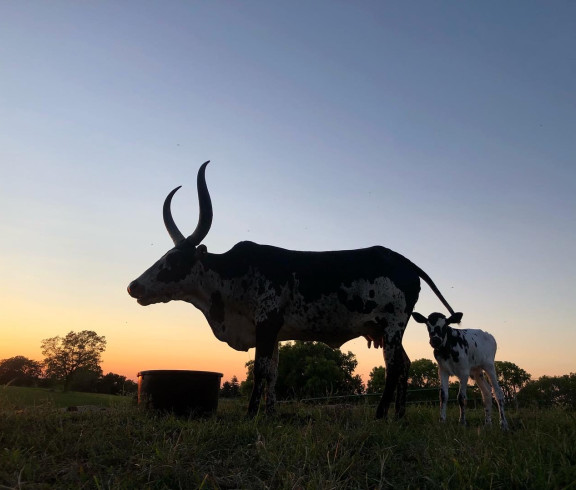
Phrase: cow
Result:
[257,295]
[464,353]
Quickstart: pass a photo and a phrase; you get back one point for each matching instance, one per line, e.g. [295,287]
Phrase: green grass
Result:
[18,397]
[302,446]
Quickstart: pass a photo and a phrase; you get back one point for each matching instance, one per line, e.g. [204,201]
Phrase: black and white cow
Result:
[257,295]
[464,353]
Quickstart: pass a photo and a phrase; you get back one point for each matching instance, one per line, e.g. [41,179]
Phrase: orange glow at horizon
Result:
[187,342]
[177,336]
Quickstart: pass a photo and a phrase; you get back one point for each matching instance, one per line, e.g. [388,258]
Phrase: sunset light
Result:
[444,134]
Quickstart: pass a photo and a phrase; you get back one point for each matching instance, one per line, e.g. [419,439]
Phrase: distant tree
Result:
[247,385]
[310,369]
[376,380]
[550,390]
[85,379]
[423,374]
[230,389]
[63,357]
[511,379]
[20,371]
[116,384]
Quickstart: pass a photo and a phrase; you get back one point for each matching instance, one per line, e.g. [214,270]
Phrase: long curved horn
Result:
[205,206]
[204,220]
[173,230]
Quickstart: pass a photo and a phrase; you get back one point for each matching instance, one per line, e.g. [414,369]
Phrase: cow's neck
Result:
[199,287]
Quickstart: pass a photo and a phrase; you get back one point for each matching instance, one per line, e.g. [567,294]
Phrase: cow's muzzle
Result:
[435,342]
[136,290]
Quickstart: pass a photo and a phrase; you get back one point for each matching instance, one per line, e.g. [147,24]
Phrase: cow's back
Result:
[329,296]
[320,272]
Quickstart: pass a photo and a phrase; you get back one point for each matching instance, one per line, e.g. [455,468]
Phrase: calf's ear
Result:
[455,318]
[419,318]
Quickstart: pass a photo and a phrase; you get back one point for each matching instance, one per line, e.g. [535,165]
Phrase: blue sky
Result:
[444,131]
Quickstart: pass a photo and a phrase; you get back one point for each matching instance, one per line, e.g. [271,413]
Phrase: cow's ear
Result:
[455,318]
[201,251]
[419,318]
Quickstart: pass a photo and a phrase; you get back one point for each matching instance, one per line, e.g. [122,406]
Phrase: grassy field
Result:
[303,446]
[17,397]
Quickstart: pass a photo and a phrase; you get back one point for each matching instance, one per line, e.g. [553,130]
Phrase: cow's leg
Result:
[402,387]
[478,376]
[392,374]
[271,376]
[462,397]
[264,370]
[265,361]
[397,365]
[444,384]
[394,361]
[498,394]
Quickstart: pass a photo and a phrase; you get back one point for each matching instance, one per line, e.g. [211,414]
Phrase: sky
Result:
[445,131]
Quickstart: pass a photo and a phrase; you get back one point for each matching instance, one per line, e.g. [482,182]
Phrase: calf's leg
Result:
[498,394]
[444,379]
[478,376]
[462,398]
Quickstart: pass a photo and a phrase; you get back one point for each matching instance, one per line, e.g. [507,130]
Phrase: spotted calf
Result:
[464,353]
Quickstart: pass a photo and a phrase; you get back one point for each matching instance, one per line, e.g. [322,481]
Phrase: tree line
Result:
[313,370]
[71,362]
[305,370]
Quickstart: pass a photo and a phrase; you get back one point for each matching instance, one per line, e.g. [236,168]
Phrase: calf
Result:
[464,353]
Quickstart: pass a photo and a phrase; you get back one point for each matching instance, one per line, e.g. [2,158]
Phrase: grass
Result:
[302,446]
[19,397]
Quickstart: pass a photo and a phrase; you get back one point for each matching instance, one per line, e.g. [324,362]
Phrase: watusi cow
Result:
[257,295]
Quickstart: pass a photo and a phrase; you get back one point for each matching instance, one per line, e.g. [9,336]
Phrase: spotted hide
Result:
[257,295]
[464,353]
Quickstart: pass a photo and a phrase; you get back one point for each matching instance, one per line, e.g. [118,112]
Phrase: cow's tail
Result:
[433,287]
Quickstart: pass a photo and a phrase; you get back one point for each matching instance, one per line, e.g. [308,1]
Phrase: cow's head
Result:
[437,325]
[163,281]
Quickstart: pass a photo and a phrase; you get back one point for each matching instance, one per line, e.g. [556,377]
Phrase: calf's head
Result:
[163,281]
[437,325]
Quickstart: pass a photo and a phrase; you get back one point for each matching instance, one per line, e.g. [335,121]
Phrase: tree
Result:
[311,369]
[423,374]
[377,380]
[230,389]
[550,390]
[63,357]
[116,384]
[20,371]
[85,379]
[511,379]
[247,385]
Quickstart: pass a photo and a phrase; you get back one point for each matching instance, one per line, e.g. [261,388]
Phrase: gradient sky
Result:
[445,131]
